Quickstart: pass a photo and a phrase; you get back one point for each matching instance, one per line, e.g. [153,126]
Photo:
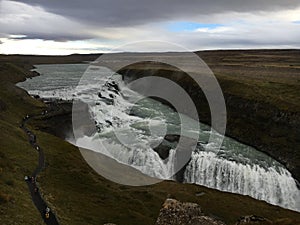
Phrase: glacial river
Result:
[235,168]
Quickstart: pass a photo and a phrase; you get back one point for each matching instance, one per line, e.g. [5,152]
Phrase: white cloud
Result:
[17,18]
[46,47]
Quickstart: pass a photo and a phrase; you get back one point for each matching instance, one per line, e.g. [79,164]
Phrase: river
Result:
[235,168]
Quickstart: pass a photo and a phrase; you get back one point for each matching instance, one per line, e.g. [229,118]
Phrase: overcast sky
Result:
[73,26]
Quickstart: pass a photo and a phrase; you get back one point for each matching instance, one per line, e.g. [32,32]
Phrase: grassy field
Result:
[268,75]
[77,194]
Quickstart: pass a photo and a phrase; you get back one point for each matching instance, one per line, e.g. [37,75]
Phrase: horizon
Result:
[162,52]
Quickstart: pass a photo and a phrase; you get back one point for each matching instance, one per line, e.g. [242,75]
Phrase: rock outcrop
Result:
[174,212]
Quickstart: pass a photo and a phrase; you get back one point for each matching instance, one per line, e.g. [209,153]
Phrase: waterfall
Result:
[274,185]
[237,168]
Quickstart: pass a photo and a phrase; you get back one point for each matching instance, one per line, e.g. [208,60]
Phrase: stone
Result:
[174,212]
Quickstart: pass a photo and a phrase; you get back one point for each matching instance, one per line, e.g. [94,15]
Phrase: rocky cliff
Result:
[262,98]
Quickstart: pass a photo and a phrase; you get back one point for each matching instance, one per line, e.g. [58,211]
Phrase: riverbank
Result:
[78,194]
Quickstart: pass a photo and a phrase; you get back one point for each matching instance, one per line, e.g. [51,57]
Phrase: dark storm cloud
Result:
[135,12]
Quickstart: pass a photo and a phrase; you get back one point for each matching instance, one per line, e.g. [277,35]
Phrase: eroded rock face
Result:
[174,212]
[170,141]
[255,122]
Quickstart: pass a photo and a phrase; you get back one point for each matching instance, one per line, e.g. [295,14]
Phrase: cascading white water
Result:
[274,185]
[140,156]
[237,168]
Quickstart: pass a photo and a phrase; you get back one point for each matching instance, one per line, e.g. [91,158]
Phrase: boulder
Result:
[174,212]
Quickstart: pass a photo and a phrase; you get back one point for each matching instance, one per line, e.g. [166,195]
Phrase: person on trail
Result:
[32,138]
[47,212]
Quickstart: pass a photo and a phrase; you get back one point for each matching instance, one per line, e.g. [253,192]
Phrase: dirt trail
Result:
[37,199]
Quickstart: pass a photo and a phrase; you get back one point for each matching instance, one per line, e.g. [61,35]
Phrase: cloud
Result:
[32,22]
[244,35]
[100,25]
[136,12]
